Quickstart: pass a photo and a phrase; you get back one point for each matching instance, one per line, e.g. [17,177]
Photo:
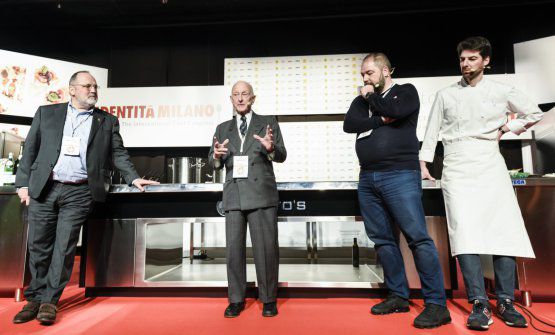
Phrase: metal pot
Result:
[217,176]
[183,170]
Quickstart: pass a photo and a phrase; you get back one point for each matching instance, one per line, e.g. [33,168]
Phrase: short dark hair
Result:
[476,43]
[74,77]
[380,59]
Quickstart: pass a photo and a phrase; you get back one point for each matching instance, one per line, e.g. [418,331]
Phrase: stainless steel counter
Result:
[304,186]
[117,240]
[285,186]
[288,186]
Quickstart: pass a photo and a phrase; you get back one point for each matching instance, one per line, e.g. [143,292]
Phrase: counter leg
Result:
[308,243]
[202,250]
[192,242]
[18,295]
[526,298]
[315,240]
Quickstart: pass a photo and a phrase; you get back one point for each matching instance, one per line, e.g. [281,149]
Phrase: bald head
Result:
[242,84]
[242,97]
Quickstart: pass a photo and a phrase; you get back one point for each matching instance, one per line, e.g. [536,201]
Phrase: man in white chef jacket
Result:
[483,215]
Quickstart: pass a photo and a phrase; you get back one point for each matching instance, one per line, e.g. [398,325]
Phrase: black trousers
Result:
[55,220]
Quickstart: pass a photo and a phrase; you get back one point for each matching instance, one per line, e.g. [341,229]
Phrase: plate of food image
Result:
[55,96]
[12,81]
[45,76]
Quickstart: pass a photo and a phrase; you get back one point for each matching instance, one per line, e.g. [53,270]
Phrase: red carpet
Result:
[145,316]
[161,315]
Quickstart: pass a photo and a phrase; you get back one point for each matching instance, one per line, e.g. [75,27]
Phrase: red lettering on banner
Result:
[150,112]
[209,111]
[163,111]
[129,111]
[121,112]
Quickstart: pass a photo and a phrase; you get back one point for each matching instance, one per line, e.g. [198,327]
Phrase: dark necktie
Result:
[243,126]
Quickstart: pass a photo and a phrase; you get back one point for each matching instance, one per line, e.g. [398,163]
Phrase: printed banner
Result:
[167,116]
[27,82]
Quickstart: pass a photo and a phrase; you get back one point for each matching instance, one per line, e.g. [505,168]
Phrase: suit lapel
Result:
[97,119]
[60,115]
[254,128]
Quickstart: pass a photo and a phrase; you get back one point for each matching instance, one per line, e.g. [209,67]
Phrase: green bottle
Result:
[8,168]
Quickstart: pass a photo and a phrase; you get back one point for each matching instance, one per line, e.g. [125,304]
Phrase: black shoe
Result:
[432,316]
[270,309]
[392,304]
[510,315]
[47,313]
[28,312]
[234,309]
[480,318]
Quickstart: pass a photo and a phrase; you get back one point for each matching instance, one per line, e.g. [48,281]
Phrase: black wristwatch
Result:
[503,131]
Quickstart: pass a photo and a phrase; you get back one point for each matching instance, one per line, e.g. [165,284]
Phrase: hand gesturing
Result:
[268,140]
[219,148]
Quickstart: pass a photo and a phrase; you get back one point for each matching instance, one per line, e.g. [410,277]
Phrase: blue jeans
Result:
[504,268]
[396,196]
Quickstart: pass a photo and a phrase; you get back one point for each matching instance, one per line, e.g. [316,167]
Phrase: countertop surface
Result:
[287,186]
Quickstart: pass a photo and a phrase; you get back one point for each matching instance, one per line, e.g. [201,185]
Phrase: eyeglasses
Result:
[89,86]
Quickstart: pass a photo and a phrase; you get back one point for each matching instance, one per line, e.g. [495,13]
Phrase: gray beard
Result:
[89,102]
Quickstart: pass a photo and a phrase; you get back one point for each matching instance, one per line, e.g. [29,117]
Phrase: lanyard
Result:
[242,142]
[73,129]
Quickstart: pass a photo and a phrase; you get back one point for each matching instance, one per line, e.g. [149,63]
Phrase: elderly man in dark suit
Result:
[247,145]
[65,168]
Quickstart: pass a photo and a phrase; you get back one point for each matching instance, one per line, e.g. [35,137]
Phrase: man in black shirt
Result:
[384,117]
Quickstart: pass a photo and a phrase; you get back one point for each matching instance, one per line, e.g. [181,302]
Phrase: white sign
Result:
[334,160]
[299,85]
[534,63]
[167,116]
[27,82]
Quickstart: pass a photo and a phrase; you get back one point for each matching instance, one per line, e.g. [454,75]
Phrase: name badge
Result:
[240,166]
[366,133]
[71,146]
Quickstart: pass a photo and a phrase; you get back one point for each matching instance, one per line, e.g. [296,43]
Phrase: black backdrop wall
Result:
[419,44]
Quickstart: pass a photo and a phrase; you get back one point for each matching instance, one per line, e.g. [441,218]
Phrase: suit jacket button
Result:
[51,165]
[252,164]
[255,179]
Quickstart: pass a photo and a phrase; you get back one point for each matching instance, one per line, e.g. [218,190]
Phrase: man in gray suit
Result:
[247,145]
[69,152]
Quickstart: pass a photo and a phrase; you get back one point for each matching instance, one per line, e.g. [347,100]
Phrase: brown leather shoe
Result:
[28,312]
[47,314]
